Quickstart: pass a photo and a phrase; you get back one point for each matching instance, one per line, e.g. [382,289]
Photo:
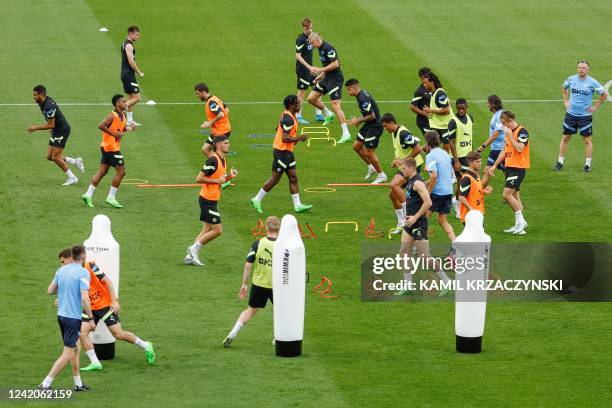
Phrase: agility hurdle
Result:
[327,224]
[318,130]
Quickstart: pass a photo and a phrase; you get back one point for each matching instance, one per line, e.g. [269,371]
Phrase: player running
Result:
[71,282]
[579,115]
[404,145]
[439,110]
[217,117]
[328,80]
[105,307]
[496,136]
[283,157]
[260,255]
[303,65]
[460,132]
[414,235]
[369,134]
[472,190]
[113,128]
[59,128]
[420,100]
[211,176]
[517,161]
[440,184]
[129,69]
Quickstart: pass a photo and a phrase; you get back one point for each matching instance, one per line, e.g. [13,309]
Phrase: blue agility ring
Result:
[259,146]
[261,136]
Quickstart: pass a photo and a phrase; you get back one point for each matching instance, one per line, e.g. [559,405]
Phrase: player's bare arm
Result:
[245,280]
[433,177]
[332,66]
[565,97]
[49,126]
[423,191]
[203,179]
[357,121]
[52,289]
[598,103]
[129,51]
[301,60]
[111,290]
[287,138]
[104,126]
[87,308]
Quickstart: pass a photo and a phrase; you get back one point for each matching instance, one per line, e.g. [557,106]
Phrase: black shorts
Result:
[514,177]
[422,124]
[59,140]
[493,155]
[106,314]
[441,203]
[209,212]
[418,230]
[464,166]
[71,329]
[304,79]
[574,124]
[258,297]
[112,159]
[283,161]
[369,135]
[211,139]
[443,133]
[130,86]
[331,86]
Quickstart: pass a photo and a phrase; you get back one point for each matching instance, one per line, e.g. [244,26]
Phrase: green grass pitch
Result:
[355,354]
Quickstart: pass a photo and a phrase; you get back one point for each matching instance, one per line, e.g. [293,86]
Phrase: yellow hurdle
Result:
[318,130]
[327,224]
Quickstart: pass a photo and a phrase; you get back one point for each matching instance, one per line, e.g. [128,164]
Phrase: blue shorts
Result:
[71,329]
[441,203]
[574,124]
[493,155]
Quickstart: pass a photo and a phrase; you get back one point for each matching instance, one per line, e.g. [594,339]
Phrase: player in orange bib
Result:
[105,307]
[212,176]
[516,161]
[217,117]
[113,129]
[283,158]
[471,189]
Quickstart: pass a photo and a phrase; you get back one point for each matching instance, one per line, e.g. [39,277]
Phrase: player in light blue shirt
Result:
[439,165]
[71,282]
[496,136]
[578,91]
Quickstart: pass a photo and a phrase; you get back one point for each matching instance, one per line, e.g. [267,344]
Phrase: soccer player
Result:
[113,129]
[71,282]
[59,128]
[260,255]
[129,69]
[283,158]
[369,134]
[472,190]
[404,145]
[211,176]
[460,131]
[105,307]
[303,64]
[517,161]
[496,136]
[217,117]
[418,203]
[579,115]
[328,80]
[439,110]
[438,164]
[420,100]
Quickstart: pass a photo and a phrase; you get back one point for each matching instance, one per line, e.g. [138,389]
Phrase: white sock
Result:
[299,114]
[327,111]
[296,200]
[407,276]
[317,111]
[112,193]
[400,216]
[70,160]
[588,161]
[443,276]
[47,381]
[518,216]
[561,159]
[345,130]
[232,335]
[77,381]
[371,168]
[70,174]
[92,356]
[90,191]
[142,344]
[381,174]
[260,196]
[196,247]
[130,117]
